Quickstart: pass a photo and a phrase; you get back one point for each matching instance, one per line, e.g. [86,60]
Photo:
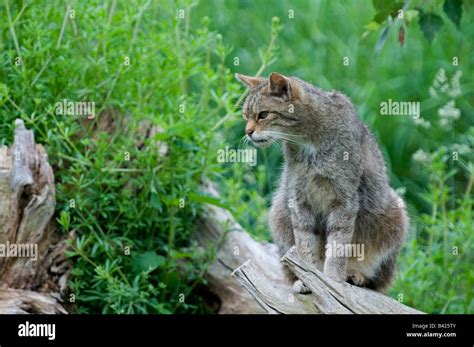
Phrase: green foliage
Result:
[389,12]
[430,24]
[313,43]
[245,191]
[436,268]
[132,218]
[453,9]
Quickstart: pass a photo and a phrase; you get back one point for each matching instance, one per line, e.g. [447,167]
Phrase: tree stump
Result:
[33,266]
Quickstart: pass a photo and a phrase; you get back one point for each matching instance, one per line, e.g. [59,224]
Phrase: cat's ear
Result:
[251,82]
[280,85]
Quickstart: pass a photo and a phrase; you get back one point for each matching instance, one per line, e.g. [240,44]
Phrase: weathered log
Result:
[18,301]
[327,296]
[218,229]
[32,253]
[273,296]
[243,263]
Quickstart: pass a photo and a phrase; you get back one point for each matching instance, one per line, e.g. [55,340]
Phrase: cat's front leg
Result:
[341,223]
[308,242]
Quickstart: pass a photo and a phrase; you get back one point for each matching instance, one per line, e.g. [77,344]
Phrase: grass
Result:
[436,264]
[131,208]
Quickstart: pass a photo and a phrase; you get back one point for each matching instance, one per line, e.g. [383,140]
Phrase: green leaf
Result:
[3,93]
[381,5]
[64,220]
[430,24]
[381,41]
[155,202]
[161,136]
[395,8]
[381,16]
[372,26]
[385,9]
[70,254]
[453,9]
[148,261]
[201,198]
[409,15]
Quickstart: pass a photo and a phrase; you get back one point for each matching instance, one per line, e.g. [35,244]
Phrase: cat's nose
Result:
[249,132]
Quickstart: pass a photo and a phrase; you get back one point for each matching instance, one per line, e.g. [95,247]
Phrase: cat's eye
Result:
[263,115]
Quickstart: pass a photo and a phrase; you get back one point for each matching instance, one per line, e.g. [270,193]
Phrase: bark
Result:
[327,296]
[17,301]
[32,253]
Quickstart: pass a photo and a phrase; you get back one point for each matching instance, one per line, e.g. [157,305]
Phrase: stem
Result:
[433,220]
[20,13]
[180,59]
[171,212]
[15,105]
[63,27]
[45,65]
[445,234]
[12,32]
[469,186]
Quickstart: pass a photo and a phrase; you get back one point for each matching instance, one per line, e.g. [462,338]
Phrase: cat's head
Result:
[271,108]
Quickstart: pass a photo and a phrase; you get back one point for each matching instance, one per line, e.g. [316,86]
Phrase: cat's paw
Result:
[356,278]
[300,288]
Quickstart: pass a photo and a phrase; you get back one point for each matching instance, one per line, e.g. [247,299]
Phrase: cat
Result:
[334,190]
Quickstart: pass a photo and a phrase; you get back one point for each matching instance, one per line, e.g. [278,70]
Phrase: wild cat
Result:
[334,191]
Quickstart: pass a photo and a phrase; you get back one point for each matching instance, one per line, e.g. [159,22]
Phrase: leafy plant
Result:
[394,13]
[436,266]
[131,201]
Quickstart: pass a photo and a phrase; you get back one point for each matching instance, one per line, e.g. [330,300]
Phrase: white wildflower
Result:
[433,93]
[449,111]
[422,122]
[444,88]
[455,89]
[441,76]
[422,157]
[443,85]
[461,148]
[444,122]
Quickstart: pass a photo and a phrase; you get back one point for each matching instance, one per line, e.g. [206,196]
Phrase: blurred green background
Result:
[182,58]
[317,35]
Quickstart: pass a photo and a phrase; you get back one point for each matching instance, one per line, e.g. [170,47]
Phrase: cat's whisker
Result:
[277,145]
[285,137]
[277,133]
[242,142]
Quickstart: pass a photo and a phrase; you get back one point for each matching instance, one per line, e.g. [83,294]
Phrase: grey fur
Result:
[334,187]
